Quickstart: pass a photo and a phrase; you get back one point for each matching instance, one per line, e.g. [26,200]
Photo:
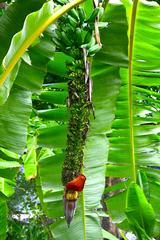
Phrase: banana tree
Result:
[126,67]
[107,63]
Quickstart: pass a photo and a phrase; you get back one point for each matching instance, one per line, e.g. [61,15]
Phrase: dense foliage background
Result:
[40,59]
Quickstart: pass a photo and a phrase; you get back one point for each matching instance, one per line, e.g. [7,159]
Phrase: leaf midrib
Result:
[130,90]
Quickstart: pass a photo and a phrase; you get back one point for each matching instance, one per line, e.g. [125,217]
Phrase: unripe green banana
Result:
[88,37]
[56,42]
[93,15]
[65,39]
[79,36]
[82,15]
[73,13]
[90,44]
[93,50]
[57,34]
[72,21]
[101,11]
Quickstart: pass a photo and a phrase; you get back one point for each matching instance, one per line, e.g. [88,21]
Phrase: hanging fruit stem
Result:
[78,106]
[75,36]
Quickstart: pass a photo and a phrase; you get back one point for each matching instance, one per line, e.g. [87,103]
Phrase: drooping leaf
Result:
[53,136]
[3,219]
[6,187]
[57,114]
[10,24]
[55,97]
[30,77]
[14,117]
[108,235]
[34,25]
[139,212]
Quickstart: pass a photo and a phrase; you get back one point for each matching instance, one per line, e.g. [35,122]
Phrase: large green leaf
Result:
[29,160]
[7,187]
[134,141]
[30,77]
[14,117]
[10,164]
[33,68]
[139,212]
[10,24]
[50,180]
[3,219]
[53,136]
[57,114]
[34,25]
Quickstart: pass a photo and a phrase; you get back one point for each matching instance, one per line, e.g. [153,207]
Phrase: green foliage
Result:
[140,213]
[35,23]
[134,139]
[33,26]
[3,219]
[10,24]
[63,56]
[26,221]
[14,117]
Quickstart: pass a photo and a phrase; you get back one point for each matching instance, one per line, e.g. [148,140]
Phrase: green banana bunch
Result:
[77,32]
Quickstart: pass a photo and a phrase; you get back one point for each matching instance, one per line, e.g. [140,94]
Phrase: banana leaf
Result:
[34,25]
[3,219]
[14,117]
[134,141]
[139,211]
[10,24]
[29,160]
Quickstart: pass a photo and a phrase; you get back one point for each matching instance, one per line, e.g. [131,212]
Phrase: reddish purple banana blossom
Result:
[72,190]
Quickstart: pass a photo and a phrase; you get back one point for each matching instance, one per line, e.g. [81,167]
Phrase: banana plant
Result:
[126,67]
[86,223]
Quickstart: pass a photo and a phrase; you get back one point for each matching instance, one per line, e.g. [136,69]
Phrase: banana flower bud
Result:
[72,190]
